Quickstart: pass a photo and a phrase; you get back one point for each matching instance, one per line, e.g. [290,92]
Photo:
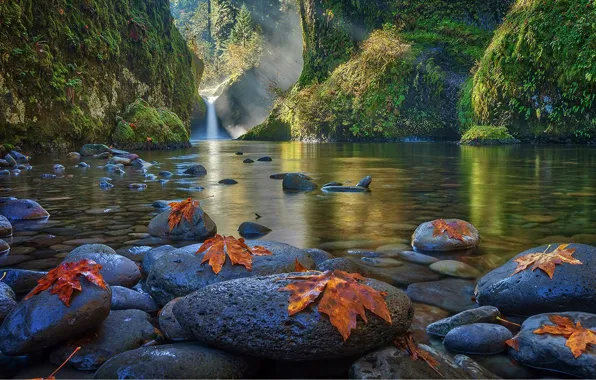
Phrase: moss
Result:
[272,129]
[538,76]
[487,135]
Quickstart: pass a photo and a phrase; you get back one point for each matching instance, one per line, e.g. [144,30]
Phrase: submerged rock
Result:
[455,268]
[416,257]
[263,310]
[248,161]
[452,295]
[137,186]
[478,339]
[196,170]
[484,314]
[201,227]
[345,189]
[424,237]
[252,230]
[265,159]
[474,369]
[23,209]
[298,182]
[228,181]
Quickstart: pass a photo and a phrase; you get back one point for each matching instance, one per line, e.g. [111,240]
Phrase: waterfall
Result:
[212,123]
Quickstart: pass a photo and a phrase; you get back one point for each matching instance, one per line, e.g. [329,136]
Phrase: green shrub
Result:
[487,135]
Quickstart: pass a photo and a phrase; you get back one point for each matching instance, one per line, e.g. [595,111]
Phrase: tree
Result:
[243,29]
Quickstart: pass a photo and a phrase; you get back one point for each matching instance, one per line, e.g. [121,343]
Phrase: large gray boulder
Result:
[180,272]
[424,238]
[250,316]
[23,209]
[201,228]
[532,292]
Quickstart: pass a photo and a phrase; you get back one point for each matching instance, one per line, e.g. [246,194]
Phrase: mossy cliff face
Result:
[383,69]
[68,68]
[538,76]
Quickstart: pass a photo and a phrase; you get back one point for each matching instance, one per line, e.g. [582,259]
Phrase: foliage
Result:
[344,298]
[299,267]
[487,135]
[65,279]
[578,337]
[182,210]
[455,230]
[547,261]
[407,344]
[237,250]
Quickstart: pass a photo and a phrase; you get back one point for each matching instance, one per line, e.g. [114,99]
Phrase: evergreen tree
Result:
[224,16]
[243,29]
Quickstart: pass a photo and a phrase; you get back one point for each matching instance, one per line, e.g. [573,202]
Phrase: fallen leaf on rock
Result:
[513,342]
[547,261]
[407,344]
[237,250]
[182,210]
[299,266]
[577,336]
[455,230]
[344,298]
[64,279]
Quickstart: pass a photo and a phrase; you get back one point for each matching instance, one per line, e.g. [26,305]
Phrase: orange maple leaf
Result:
[547,261]
[299,267]
[64,279]
[455,230]
[407,344]
[344,298]
[182,210]
[513,342]
[237,250]
[578,337]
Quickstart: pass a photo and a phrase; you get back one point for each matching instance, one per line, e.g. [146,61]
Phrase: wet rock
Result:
[177,361]
[137,186]
[19,157]
[404,275]
[43,320]
[74,156]
[165,174]
[119,160]
[83,165]
[424,315]
[452,295]
[136,253]
[278,176]
[365,182]
[201,227]
[4,163]
[7,300]
[239,153]
[417,258]
[7,199]
[4,247]
[252,230]
[298,182]
[180,272]
[93,149]
[4,172]
[318,255]
[169,324]
[455,268]
[12,365]
[58,168]
[196,170]
[151,257]
[474,369]
[478,339]
[150,177]
[265,159]
[228,181]
[381,262]
[262,308]
[121,331]
[333,184]
[5,227]
[393,363]
[116,269]
[160,204]
[345,189]
[85,241]
[10,159]
[93,248]
[530,292]
[102,156]
[424,239]
[47,176]
[140,163]
[248,161]
[21,280]
[342,264]
[126,299]
[550,352]
[23,209]
[484,314]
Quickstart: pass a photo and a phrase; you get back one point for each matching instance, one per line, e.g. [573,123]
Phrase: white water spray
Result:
[212,123]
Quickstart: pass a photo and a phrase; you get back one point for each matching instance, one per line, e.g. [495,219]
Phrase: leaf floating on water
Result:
[547,261]
[236,249]
[455,230]
[182,210]
[344,298]
[65,279]
[578,337]
[407,344]
[299,267]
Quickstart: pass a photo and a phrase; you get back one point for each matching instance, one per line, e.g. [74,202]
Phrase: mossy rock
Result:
[487,135]
[538,76]
[272,129]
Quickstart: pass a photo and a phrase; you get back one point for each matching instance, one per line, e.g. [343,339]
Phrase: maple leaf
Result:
[299,267]
[182,210]
[344,298]
[237,250]
[547,261]
[455,230]
[64,279]
[407,344]
[578,337]
[513,342]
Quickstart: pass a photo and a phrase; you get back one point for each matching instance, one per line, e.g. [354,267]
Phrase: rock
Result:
[136,253]
[318,255]
[4,172]
[252,230]
[417,258]
[105,185]
[424,239]
[140,163]
[393,363]
[7,199]
[5,227]
[89,241]
[452,295]
[92,248]
[262,308]
[151,257]
[365,182]
[177,361]
[196,170]
[116,269]
[278,176]
[228,181]
[58,168]
[115,160]
[137,186]
[126,299]
[403,275]
[531,292]
[43,320]
[165,174]
[505,367]
[4,163]
[298,182]
[345,189]
[169,324]
[476,370]
[549,352]
[484,314]
[160,204]
[102,156]
[48,176]
[424,315]
[10,159]
[4,247]
[93,149]
[119,171]
[381,262]
[150,177]
[265,159]
[73,156]
[21,158]
[239,153]
[23,209]
[201,228]
[83,165]
[180,272]
[455,268]
[248,161]
[21,280]
[122,330]
[7,300]
[333,184]
[340,263]
[478,339]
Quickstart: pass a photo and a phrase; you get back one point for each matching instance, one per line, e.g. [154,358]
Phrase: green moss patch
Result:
[487,135]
